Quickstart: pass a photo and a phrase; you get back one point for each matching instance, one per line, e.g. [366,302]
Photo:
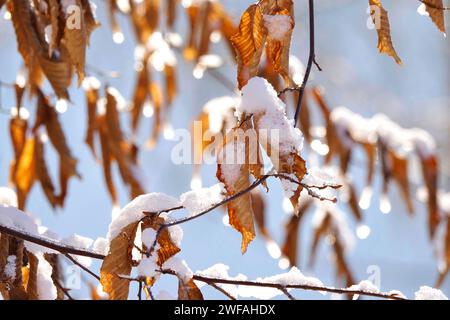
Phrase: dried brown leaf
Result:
[188,290]
[381,21]
[436,14]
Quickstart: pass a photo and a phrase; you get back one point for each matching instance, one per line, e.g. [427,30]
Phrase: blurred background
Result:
[354,75]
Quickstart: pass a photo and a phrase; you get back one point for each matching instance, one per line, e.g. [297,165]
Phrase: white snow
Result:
[293,277]
[180,267]
[231,158]
[366,286]
[134,211]
[14,218]
[148,237]
[197,201]
[359,128]
[161,53]
[176,235]
[120,100]
[428,293]
[319,177]
[220,271]
[10,268]
[101,245]
[8,197]
[45,287]
[278,25]
[78,241]
[444,202]
[221,113]
[260,98]
[91,83]
[296,70]
[147,267]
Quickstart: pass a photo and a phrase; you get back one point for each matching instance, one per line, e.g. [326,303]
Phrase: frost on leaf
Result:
[434,9]
[276,133]
[122,234]
[237,159]
[381,21]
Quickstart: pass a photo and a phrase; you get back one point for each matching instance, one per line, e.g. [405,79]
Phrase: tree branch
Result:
[280,287]
[311,61]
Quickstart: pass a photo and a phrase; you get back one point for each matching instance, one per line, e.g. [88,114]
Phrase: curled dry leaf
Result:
[430,176]
[249,43]
[117,263]
[238,158]
[436,14]
[188,290]
[291,240]
[381,20]
[42,173]
[92,96]
[25,172]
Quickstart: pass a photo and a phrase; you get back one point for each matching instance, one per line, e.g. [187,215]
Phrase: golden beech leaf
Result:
[18,133]
[190,51]
[54,22]
[371,153]
[353,202]
[25,173]
[117,263]
[278,48]
[75,40]
[342,267]
[436,14]
[157,100]
[42,173]
[249,43]
[240,210]
[89,18]
[381,21]
[57,276]
[121,150]
[443,273]
[106,158]
[4,250]
[205,28]
[188,290]
[171,84]
[58,73]
[167,248]
[258,207]
[321,231]
[171,13]
[141,93]
[400,175]
[32,283]
[430,177]
[67,163]
[92,96]
[291,240]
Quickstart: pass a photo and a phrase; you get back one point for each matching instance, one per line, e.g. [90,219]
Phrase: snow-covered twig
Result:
[283,287]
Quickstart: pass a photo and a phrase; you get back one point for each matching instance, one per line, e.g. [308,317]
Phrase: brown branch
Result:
[64,290]
[280,287]
[81,266]
[49,243]
[218,288]
[311,60]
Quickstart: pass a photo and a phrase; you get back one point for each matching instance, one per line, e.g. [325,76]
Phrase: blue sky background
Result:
[355,75]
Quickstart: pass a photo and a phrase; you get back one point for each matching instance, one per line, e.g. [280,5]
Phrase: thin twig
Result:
[49,243]
[64,290]
[287,294]
[68,256]
[311,59]
[280,287]
[218,288]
